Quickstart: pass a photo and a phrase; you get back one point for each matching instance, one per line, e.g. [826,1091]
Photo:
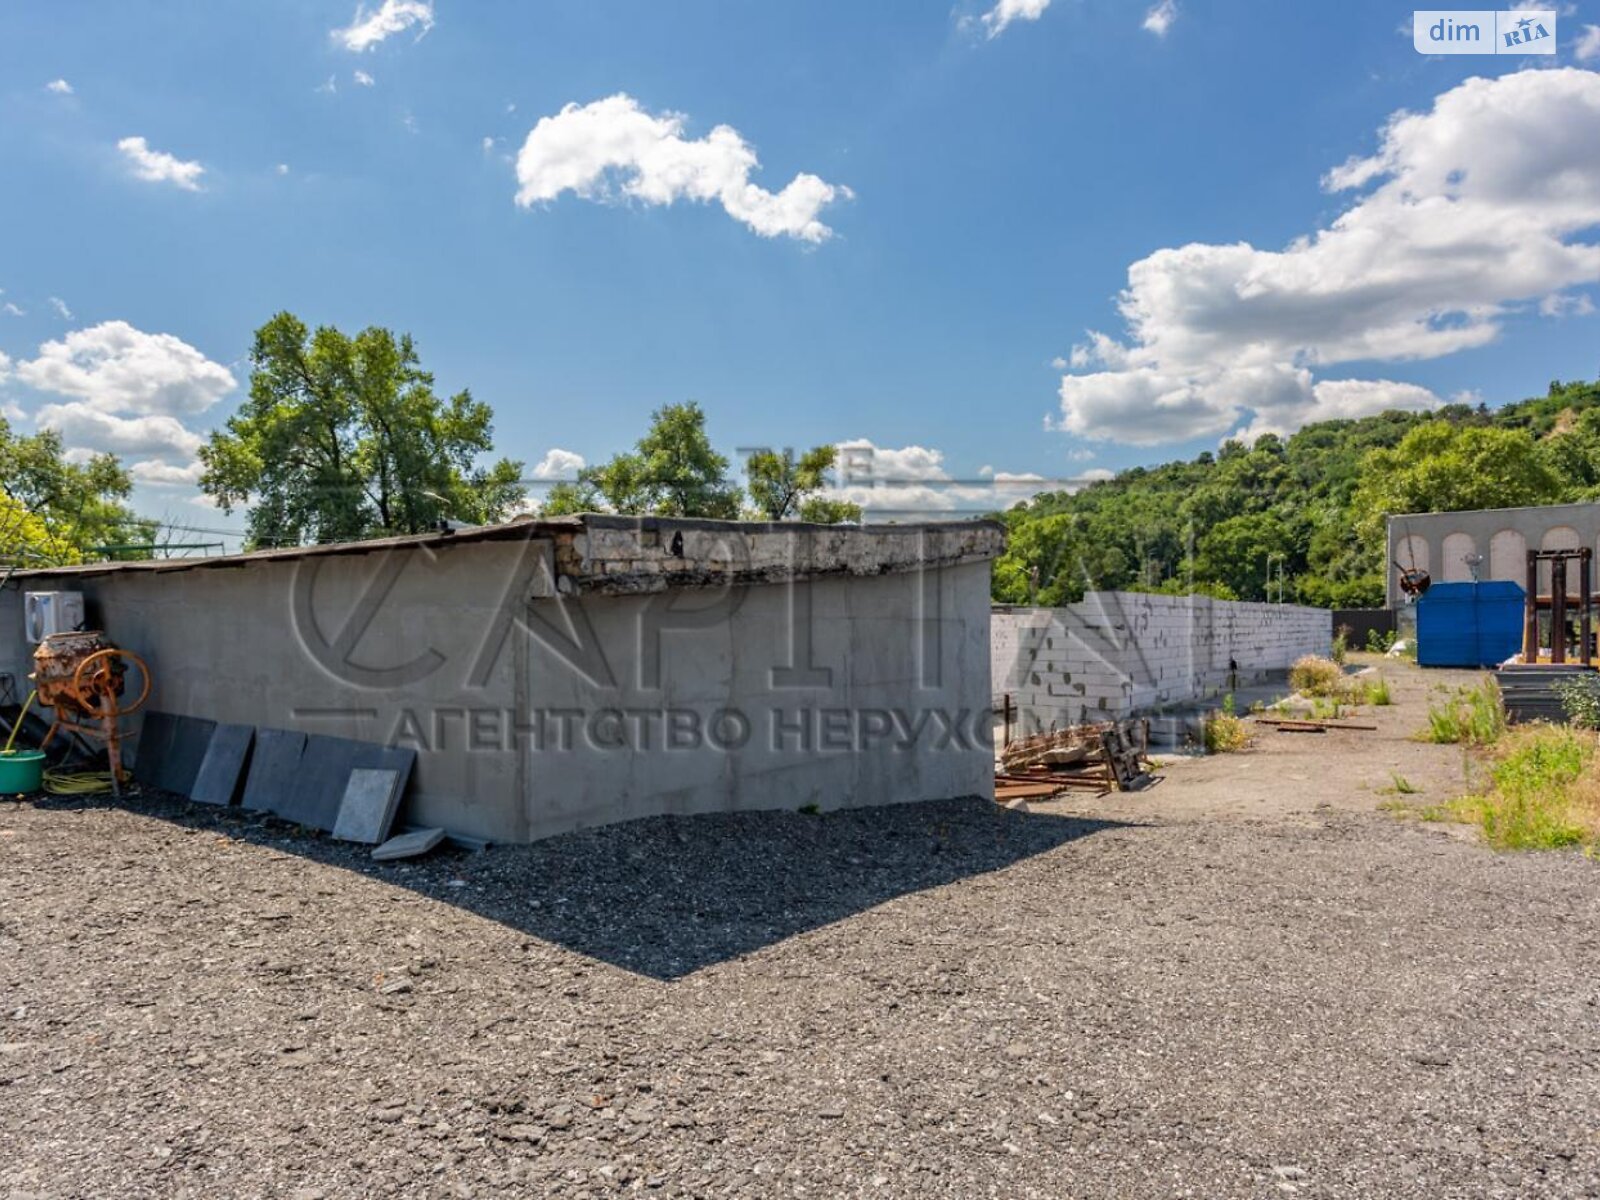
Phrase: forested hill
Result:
[1312,504]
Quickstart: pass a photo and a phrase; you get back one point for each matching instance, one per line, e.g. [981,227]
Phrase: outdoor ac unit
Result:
[45,613]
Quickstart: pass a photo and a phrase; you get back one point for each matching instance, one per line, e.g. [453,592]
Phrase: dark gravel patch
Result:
[929,1000]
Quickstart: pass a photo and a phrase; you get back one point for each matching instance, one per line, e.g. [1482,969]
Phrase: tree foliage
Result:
[672,471]
[342,438]
[55,511]
[1314,502]
[823,510]
[783,487]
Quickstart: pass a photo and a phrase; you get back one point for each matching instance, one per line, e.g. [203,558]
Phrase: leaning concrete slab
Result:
[408,845]
[367,809]
[222,768]
[273,769]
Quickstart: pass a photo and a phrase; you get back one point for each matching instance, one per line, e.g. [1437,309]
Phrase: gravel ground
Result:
[929,1000]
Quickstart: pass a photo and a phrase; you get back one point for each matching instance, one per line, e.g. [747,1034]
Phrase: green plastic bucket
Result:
[21,771]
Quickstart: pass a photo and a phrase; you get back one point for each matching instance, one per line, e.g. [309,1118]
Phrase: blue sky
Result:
[990,188]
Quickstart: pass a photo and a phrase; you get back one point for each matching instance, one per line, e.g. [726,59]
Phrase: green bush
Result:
[1341,645]
[1317,676]
[1473,716]
[1580,699]
[1542,794]
[1225,733]
[1377,693]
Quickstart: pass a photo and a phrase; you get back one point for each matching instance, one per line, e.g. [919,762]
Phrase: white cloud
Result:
[85,427]
[588,149]
[1568,304]
[1588,44]
[487,144]
[116,368]
[162,474]
[127,392]
[558,464]
[1007,11]
[282,168]
[1160,17]
[1338,399]
[60,305]
[328,86]
[11,310]
[391,17]
[59,86]
[363,78]
[859,459]
[1468,209]
[157,166]
[912,479]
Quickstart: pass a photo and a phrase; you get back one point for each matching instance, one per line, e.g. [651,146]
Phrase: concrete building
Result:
[1116,654]
[1487,543]
[563,673]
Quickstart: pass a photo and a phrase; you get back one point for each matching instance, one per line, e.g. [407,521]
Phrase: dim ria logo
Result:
[1470,31]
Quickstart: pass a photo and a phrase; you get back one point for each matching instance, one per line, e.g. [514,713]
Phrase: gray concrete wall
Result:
[375,647]
[836,692]
[535,710]
[1115,654]
[1440,543]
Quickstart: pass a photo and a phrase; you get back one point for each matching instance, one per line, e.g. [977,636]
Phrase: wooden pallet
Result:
[1292,725]
[1099,758]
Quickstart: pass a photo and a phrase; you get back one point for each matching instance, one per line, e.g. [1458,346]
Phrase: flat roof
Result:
[1520,508]
[515,530]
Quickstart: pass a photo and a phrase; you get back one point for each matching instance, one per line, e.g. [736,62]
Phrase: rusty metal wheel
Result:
[94,683]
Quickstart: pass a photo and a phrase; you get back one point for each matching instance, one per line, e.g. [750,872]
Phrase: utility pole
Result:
[1280,556]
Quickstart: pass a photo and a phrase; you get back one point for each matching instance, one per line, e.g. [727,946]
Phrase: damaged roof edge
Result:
[605,552]
[510,531]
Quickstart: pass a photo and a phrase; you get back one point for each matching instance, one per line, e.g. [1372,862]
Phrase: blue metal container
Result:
[1469,624]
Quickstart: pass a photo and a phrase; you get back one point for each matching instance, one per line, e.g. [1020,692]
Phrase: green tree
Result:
[1236,553]
[779,483]
[820,510]
[782,486]
[672,472]
[1318,498]
[63,511]
[1443,467]
[342,438]
[567,498]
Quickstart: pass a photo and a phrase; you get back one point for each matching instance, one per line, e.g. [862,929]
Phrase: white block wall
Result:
[1119,653]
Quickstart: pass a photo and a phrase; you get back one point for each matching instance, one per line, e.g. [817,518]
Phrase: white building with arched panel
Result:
[1485,543]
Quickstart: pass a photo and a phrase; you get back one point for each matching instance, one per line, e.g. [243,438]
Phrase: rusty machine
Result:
[85,679]
[1569,603]
[1557,634]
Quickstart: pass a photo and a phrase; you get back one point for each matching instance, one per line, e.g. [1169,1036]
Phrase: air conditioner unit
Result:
[45,613]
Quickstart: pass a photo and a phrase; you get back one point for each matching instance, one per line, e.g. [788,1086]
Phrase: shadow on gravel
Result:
[666,896]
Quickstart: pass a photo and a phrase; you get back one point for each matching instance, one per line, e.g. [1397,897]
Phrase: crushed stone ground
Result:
[1097,999]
